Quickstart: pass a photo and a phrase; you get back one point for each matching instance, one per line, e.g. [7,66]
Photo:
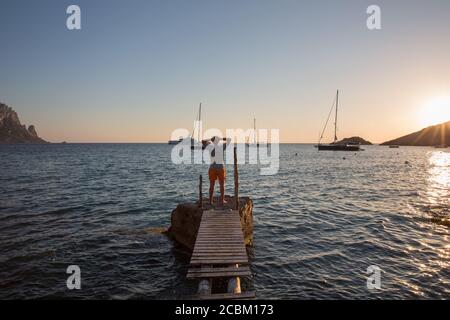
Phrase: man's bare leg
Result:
[222,192]
[211,191]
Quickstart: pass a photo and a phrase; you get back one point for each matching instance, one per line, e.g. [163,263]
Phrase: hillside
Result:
[430,136]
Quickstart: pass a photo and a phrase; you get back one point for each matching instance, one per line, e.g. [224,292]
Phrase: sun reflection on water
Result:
[438,190]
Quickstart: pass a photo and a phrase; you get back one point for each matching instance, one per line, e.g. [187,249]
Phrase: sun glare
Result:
[435,111]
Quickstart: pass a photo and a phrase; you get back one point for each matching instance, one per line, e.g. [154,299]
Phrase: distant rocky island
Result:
[438,135]
[12,131]
[354,140]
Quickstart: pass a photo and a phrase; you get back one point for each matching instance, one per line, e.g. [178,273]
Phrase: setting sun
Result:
[435,111]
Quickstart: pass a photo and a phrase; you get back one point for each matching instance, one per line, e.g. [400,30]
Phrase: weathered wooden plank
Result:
[235,249]
[233,235]
[223,296]
[210,243]
[221,223]
[202,253]
[227,255]
[219,240]
[216,239]
[219,246]
[221,254]
[230,250]
[218,274]
[220,228]
[213,257]
[222,248]
[237,235]
[233,227]
[221,232]
[221,235]
[229,220]
[219,261]
[230,268]
[213,242]
[227,260]
[218,235]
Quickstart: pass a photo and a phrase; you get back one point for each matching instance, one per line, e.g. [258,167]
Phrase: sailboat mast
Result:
[199,120]
[254,130]
[335,117]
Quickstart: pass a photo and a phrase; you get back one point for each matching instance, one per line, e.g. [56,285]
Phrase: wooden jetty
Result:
[219,251]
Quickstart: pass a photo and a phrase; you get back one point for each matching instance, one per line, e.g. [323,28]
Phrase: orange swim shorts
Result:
[217,173]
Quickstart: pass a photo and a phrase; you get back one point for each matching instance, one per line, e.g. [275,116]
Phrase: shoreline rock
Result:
[12,131]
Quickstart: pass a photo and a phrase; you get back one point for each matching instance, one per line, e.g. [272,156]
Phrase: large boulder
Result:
[185,220]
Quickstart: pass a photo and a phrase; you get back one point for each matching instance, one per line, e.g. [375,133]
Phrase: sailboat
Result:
[197,144]
[255,138]
[193,141]
[335,145]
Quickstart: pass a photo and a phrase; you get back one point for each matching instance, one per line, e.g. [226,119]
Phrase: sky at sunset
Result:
[138,69]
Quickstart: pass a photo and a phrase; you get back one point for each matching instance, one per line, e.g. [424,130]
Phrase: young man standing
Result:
[217,169]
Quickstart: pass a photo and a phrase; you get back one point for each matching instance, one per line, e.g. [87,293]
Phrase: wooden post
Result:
[234,284]
[236,180]
[200,193]
[204,286]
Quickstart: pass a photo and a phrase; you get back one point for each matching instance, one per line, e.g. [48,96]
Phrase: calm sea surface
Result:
[318,224]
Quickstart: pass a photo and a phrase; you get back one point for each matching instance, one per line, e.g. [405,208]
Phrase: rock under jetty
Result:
[186,218]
